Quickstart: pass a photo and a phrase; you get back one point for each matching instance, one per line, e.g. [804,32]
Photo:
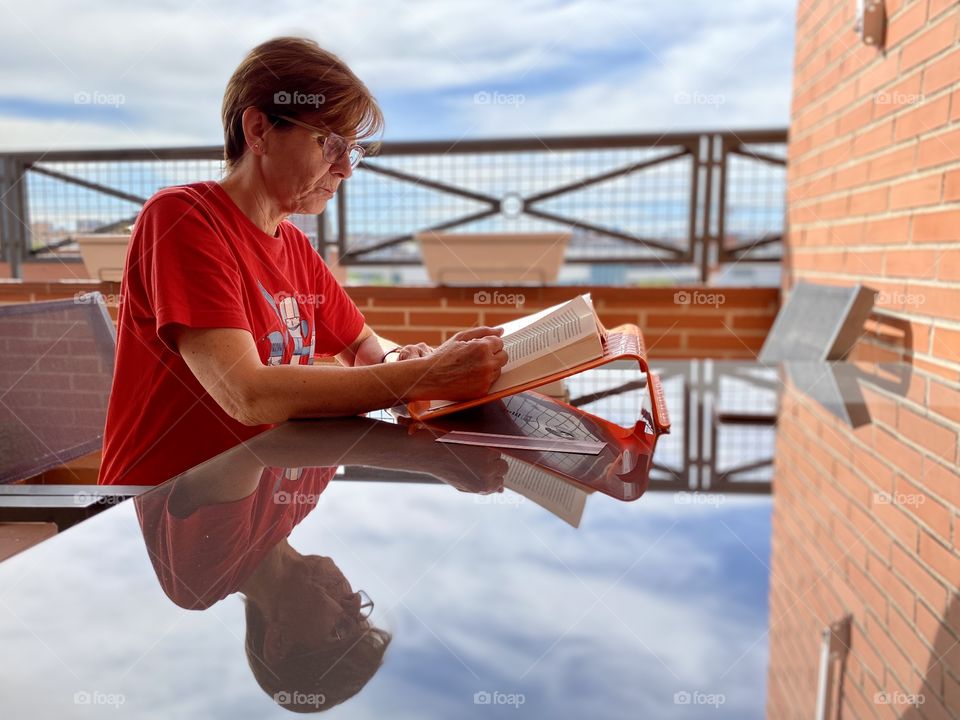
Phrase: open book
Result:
[546,343]
[550,345]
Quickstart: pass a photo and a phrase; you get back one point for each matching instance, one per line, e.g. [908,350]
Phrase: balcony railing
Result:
[696,200]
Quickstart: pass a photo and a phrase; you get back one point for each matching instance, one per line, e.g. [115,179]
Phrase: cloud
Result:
[580,67]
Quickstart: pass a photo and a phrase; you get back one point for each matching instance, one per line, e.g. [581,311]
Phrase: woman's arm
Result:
[367,349]
[226,363]
[370,348]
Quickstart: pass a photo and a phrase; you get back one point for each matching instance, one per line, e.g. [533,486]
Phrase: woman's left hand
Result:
[409,352]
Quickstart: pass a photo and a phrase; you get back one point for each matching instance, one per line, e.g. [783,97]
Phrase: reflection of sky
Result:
[481,596]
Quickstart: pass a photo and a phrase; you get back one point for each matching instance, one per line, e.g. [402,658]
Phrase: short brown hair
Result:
[296,77]
[318,678]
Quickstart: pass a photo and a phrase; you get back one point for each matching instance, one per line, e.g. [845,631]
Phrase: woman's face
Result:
[316,599]
[296,173]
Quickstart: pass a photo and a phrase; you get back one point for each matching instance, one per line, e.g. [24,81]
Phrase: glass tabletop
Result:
[361,568]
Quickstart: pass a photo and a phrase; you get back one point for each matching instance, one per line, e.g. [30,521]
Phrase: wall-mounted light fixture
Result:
[871,22]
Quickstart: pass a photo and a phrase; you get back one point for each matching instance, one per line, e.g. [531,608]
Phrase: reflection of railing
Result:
[723,457]
[687,199]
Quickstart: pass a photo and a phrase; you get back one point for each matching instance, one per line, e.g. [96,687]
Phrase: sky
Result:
[120,74]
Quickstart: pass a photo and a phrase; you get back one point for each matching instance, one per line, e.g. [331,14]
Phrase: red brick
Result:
[898,96]
[892,164]
[946,344]
[934,437]
[893,450]
[951,182]
[892,519]
[942,559]
[924,118]
[916,193]
[405,337]
[851,120]
[905,23]
[685,319]
[945,401]
[939,150]
[380,318]
[921,505]
[941,72]
[913,263]
[918,577]
[928,43]
[898,592]
[887,230]
[873,139]
[461,320]
[894,658]
[883,70]
[939,227]
[869,202]
[938,301]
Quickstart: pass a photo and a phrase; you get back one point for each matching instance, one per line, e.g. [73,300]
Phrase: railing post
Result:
[342,225]
[14,222]
[706,162]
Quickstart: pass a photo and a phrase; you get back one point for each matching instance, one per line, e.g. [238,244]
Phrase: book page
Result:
[563,499]
[533,337]
[546,342]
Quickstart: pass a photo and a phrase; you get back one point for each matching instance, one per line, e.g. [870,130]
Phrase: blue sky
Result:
[122,74]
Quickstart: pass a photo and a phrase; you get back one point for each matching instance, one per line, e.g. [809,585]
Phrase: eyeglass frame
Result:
[366,609]
[321,134]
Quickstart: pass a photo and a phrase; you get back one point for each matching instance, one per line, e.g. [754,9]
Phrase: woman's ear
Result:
[256,128]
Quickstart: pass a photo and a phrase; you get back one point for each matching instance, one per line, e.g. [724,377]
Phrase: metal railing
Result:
[700,199]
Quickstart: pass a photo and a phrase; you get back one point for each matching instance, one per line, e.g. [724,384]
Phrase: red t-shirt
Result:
[203,557]
[196,260]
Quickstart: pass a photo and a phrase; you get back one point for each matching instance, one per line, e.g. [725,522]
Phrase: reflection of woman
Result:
[309,643]
[222,528]
[226,303]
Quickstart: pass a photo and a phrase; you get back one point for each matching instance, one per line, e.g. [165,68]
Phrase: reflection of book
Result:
[546,489]
[553,344]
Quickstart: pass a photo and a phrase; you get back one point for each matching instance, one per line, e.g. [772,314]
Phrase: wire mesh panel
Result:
[70,198]
[616,209]
[637,199]
[755,212]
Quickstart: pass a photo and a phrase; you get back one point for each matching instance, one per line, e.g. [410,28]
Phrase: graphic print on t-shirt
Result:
[294,331]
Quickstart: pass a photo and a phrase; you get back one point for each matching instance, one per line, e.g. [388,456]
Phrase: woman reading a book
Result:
[226,303]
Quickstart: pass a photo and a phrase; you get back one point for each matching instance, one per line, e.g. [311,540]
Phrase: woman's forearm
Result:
[300,391]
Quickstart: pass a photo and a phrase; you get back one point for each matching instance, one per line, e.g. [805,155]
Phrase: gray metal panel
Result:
[56,369]
[818,323]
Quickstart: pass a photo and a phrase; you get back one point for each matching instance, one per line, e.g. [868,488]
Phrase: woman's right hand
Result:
[463,367]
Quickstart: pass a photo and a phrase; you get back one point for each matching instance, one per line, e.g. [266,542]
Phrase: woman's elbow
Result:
[250,408]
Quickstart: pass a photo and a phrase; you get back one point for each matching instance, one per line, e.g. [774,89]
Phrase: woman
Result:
[225,303]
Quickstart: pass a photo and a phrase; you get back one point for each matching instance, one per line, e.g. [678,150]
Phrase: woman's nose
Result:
[342,167]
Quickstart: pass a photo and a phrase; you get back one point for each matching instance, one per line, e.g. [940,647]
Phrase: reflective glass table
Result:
[361,568]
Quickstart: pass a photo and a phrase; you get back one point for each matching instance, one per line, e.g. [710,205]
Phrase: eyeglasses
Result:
[346,624]
[334,146]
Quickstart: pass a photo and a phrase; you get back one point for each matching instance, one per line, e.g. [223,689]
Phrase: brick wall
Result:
[874,170]
[866,521]
[677,322]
